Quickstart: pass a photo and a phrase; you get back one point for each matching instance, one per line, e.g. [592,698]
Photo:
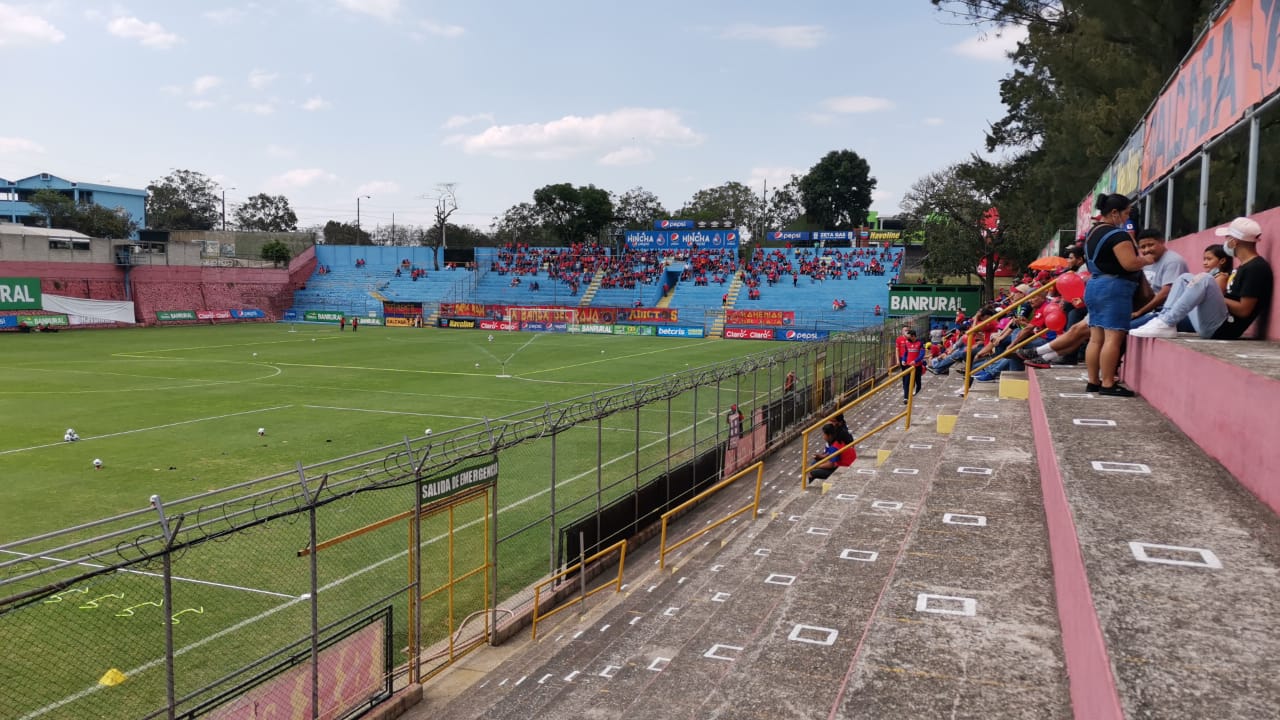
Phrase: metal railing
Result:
[905,413]
[619,547]
[754,507]
[969,336]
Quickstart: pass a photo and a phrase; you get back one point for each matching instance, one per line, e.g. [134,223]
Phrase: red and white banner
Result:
[747,334]
[498,325]
[213,314]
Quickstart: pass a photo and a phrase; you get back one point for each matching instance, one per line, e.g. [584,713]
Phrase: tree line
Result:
[1082,79]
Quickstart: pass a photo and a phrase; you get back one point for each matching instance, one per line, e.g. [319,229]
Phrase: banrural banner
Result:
[20,294]
[45,320]
[915,299]
[175,315]
[332,316]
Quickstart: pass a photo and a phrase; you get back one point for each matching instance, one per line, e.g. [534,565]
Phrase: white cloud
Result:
[316,103]
[378,187]
[573,134]
[933,121]
[992,46]
[15,145]
[821,118]
[783,36]
[881,195]
[150,34]
[381,9]
[280,151]
[855,104]
[457,121]
[19,27]
[205,83]
[199,104]
[442,29]
[302,177]
[259,79]
[628,156]
[256,108]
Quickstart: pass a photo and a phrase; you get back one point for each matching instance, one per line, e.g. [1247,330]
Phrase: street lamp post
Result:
[224,208]
[358,197]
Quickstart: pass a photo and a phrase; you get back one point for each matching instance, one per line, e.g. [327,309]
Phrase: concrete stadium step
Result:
[1168,570]
[967,625]
[1200,384]
[801,571]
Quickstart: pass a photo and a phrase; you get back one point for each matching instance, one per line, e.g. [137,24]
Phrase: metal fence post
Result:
[1202,218]
[169,533]
[315,589]
[551,550]
[1251,182]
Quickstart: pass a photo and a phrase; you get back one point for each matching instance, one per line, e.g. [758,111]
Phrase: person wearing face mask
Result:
[1221,315]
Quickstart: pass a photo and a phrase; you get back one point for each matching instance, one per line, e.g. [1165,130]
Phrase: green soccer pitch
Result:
[176,412]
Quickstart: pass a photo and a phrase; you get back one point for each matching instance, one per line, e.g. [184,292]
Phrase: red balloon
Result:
[1054,319]
[1071,287]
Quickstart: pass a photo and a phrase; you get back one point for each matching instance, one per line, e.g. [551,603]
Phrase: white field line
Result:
[393,412]
[612,358]
[159,575]
[144,354]
[145,429]
[267,613]
[517,350]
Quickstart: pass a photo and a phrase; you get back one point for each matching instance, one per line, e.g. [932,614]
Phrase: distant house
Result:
[15,194]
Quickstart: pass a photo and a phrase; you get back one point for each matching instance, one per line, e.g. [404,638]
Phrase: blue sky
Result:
[327,100]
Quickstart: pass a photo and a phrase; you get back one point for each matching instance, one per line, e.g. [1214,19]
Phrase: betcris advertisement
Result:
[800,335]
[682,239]
[789,235]
[682,332]
[673,225]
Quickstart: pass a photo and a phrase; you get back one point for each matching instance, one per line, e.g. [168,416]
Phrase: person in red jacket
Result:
[911,356]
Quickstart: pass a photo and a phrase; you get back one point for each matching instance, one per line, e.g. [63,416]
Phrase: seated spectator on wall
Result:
[1215,314]
[825,468]
[1165,268]
[1219,265]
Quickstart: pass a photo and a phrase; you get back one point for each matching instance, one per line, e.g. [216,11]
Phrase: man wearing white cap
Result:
[1218,315]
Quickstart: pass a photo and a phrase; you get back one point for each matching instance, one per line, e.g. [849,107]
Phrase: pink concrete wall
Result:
[1192,248]
[1224,408]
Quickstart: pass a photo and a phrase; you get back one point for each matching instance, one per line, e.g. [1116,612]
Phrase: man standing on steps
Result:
[911,357]
[1215,314]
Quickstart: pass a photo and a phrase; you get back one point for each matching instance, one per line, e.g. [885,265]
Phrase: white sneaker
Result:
[1155,328]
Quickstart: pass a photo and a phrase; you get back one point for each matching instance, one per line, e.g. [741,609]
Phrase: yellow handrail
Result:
[968,336]
[804,437]
[754,507]
[620,547]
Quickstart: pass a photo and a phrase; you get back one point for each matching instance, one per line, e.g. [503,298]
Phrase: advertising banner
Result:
[672,224]
[545,327]
[45,320]
[597,316]
[248,314]
[375,320]
[800,335]
[591,329]
[498,325]
[733,333]
[213,314]
[645,330]
[1233,67]
[401,309]
[20,294]
[789,235]
[646,315]
[834,235]
[884,235]
[457,324]
[8,321]
[175,315]
[689,332]
[935,301]
[393,321]
[290,314]
[332,316]
[474,310]
[682,239]
[759,317]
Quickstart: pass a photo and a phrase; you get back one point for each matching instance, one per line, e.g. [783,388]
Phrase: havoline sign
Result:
[934,299]
[20,294]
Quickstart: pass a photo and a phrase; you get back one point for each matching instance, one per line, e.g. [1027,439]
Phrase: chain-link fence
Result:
[320,588]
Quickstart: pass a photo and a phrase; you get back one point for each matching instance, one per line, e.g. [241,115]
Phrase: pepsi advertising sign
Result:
[800,335]
[672,224]
[789,235]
